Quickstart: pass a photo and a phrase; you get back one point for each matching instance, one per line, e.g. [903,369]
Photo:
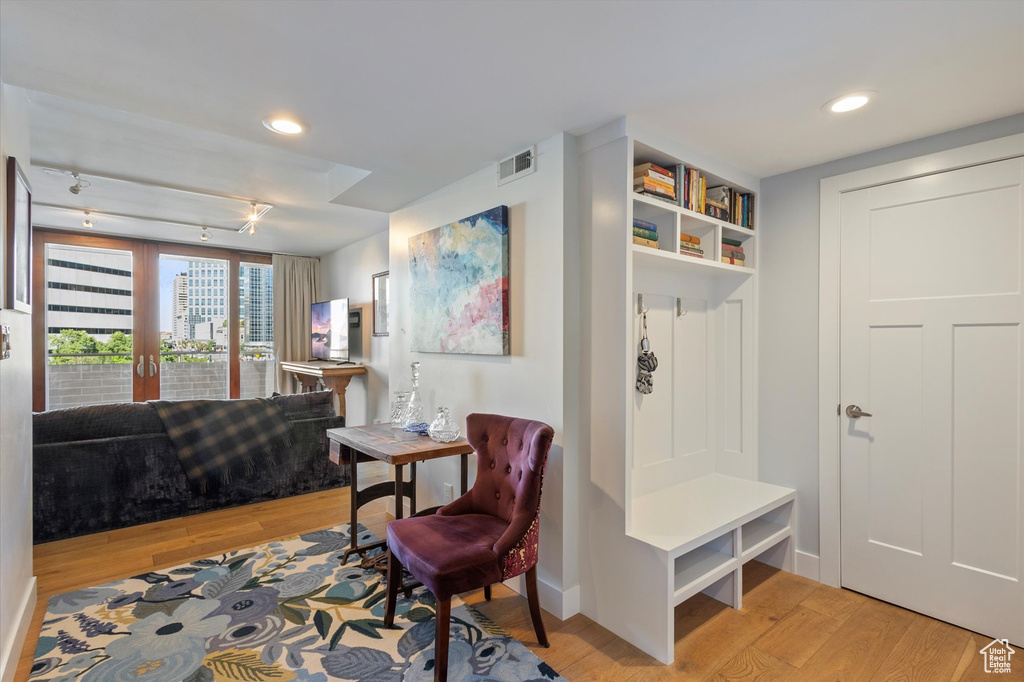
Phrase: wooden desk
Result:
[334,376]
[397,448]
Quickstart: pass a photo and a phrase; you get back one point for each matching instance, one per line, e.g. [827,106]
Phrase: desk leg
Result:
[353,487]
[399,489]
[464,473]
[412,486]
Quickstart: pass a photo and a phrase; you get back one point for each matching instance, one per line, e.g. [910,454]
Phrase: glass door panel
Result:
[256,329]
[194,327]
[89,326]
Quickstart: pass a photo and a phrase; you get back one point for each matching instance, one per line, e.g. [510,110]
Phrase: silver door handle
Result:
[140,369]
[854,412]
[152,367]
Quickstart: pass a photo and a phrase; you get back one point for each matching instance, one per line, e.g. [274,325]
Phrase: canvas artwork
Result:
[459,286]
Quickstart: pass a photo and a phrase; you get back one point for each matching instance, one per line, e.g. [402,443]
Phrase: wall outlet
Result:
[449,493]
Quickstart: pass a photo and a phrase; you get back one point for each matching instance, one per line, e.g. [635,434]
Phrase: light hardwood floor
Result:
[790,628]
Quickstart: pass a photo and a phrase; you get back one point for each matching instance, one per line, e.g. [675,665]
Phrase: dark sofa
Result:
[102,467]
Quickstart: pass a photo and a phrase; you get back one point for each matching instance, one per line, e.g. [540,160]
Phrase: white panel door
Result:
[931,346]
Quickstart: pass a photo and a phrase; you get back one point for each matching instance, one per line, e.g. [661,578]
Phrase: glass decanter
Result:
[443,429]
[414,408]
[398,408]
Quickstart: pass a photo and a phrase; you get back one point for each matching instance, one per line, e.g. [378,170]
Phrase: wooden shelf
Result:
[698,569]
[759,535]
[662,258]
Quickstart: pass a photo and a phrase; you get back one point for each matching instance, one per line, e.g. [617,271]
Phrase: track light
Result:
[252,229]
[87,222]
[205,236]
[78,186]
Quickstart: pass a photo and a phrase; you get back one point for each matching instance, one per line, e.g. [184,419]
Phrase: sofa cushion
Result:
[90,422]
[313,405]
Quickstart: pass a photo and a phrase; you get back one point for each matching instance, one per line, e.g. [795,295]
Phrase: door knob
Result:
[140,368]
[854,412]
[152,366]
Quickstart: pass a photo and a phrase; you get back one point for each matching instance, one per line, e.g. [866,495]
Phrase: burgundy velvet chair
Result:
[486,536]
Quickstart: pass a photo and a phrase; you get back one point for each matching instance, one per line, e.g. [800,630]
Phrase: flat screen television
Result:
[329,337]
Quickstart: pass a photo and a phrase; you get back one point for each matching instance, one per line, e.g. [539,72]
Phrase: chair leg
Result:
[394,584]
[487,592]
[441,627]
[531,596]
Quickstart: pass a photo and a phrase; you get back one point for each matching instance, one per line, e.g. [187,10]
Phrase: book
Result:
[645,242]
[731,242]
[644,167]
[734,255]
[650,184]
[732,261]
[731,247]
[657,195]
[683,237]
[683,249]
[654,175]
[645,234]
[692,254]
[645,225]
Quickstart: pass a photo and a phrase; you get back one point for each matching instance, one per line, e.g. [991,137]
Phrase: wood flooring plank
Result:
[708,648]
[971,667]
[797,636]
[834,603]
[929,650]
[776,593]
[859,646]
[755,665]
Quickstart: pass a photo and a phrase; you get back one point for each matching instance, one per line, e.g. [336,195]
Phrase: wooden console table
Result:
[334,376]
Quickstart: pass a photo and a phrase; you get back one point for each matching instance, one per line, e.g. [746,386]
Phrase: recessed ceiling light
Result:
[848,102]
[87,222]
[282,125]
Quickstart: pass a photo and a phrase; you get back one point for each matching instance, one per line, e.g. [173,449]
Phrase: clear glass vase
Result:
[443,429]
[414,407]
[398,408]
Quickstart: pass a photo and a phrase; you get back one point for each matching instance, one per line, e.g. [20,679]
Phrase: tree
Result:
[120,343]
[73,342]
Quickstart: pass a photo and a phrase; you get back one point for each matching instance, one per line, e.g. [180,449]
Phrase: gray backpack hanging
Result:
[647,362]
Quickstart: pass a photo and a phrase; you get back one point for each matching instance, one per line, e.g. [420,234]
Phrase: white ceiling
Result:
[423,93]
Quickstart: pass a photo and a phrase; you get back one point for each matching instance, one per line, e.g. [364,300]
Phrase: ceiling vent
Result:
[517,165]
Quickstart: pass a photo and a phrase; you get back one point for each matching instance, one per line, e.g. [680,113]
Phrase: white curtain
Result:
[296,287]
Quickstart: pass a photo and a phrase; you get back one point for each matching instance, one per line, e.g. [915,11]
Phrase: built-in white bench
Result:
[705,530]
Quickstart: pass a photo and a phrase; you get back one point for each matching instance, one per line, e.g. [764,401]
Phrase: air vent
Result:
[517,165]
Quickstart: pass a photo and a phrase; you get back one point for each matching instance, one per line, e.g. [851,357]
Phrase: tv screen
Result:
[329,338]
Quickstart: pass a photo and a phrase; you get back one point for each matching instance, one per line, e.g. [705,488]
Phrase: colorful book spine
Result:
[732,261]
[644,167]
[731,242]
[650,185]
[645,242]
[683,237]
[733,254]
[645,225]
[645,234]
[654,175]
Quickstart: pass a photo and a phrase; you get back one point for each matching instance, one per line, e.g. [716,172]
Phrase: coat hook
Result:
[679,308]
[640,309]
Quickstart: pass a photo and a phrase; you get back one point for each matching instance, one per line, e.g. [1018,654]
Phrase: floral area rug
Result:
[286,610]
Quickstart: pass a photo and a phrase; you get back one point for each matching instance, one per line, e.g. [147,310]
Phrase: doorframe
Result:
[829,430]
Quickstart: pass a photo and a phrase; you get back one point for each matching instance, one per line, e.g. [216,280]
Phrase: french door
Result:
[932,371]
[122,320]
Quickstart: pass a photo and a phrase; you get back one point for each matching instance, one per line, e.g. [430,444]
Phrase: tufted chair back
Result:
[511,455]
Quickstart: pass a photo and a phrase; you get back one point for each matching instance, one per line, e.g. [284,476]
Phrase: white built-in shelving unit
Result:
[671,501]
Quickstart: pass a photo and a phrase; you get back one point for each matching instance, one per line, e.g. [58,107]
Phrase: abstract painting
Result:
[459,286]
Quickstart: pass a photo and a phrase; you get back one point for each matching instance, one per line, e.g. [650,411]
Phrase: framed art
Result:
[18,228]
[459,286]
[381,294]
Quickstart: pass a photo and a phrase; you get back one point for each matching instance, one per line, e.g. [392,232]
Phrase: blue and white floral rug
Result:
[281,611]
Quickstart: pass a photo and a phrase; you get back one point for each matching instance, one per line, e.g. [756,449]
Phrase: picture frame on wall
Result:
[381,296]
[18,235]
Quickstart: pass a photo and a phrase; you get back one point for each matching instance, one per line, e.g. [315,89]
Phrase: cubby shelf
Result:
[689,215]
[661,257]
[698,569]
[759,535]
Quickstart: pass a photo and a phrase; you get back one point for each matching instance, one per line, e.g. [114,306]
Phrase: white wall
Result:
[788,314]
[17,585]
[348,273]
[533,381]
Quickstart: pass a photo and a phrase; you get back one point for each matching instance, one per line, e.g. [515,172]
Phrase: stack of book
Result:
[645,233]
[720,202]
[690,245]
[654,181]
[732,252]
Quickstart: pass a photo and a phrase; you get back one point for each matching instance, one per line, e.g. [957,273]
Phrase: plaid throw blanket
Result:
[219,439]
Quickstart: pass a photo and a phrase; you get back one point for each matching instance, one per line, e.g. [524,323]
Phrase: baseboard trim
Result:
[12,649]
[559,603]
[807,565]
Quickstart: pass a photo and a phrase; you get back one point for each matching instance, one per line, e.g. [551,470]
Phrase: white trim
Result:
[559,603]
[807,565]
[828,316]
[12,651]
